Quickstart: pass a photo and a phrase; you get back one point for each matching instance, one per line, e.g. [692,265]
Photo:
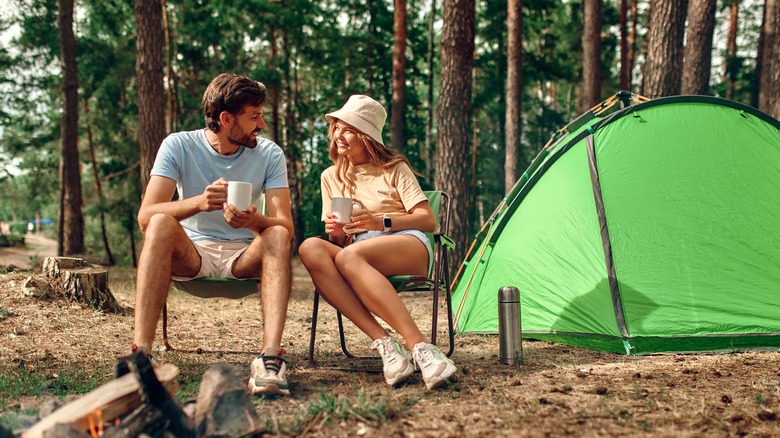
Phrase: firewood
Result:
[103,404]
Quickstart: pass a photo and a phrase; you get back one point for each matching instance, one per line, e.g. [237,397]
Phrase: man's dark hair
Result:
[230,92]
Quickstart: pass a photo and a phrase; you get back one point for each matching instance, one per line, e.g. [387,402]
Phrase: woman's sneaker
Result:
[434,365]
[396,363]
[269,376]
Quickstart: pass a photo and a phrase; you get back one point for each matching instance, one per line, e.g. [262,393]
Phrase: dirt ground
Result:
[558,390]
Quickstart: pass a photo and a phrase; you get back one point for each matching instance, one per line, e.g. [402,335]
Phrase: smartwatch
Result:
[387,223]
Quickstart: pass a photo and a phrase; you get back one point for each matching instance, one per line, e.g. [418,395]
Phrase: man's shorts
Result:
[216,258]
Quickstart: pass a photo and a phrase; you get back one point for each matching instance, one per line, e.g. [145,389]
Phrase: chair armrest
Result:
[445,240]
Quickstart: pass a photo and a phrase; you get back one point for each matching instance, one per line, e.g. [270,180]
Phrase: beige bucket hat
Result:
[364,113]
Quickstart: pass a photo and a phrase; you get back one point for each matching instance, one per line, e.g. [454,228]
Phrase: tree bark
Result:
[625,73]
[453,116]
[149,78]
[663,65]
[769,97]
[730,63]
[591,54]
[698,47]
[101,200]
[78,281]
[514,92]
[399,76]
[426,153]
[71,219]
[631,58]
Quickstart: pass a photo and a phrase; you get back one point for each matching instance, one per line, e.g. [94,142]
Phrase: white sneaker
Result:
[434,365]
[396,363]
[269,376]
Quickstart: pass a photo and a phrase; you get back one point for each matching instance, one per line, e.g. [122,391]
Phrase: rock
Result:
[33,287]
[223,406]
[52,405]
[65,431]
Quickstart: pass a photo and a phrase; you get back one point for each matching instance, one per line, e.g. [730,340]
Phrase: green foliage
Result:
[311,54]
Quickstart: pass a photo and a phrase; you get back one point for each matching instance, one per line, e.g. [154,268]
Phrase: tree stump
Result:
[77,280]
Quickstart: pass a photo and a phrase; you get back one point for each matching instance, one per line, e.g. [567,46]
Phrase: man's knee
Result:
[162,223]
[276,238]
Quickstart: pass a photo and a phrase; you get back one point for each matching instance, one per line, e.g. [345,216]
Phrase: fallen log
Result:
[104,404]
[76,280]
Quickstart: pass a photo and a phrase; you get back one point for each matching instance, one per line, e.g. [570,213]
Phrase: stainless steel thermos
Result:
[509,334]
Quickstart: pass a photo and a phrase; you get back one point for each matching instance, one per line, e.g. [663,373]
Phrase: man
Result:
[200,235]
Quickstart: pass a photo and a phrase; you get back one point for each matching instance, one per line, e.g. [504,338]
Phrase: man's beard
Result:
[238,138]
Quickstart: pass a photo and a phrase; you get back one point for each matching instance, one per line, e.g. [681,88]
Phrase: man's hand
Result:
[214,196]
[237,218]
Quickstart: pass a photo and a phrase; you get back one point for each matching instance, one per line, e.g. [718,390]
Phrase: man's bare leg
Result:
[269,254]
[166,250]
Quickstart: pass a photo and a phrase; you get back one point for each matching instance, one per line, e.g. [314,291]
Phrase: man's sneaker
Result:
[396,363]
[269,376]
[434,365]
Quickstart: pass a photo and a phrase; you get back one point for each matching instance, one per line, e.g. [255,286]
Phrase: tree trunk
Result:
[698,47]
[426,153]
[755,91]
[514,92]
[399,76]
[730,63]
[101,200]
[631,58]
[625,73]
[72,222]
[291,151]
[149,78]
[172,98]
[663,65]
[78,281]
[769,97]
[453,116]
[591,54]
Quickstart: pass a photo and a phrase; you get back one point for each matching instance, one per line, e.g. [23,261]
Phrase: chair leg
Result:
[167,345]
[314,313]
[448,298]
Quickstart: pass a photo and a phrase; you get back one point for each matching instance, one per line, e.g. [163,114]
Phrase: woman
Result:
[392,221]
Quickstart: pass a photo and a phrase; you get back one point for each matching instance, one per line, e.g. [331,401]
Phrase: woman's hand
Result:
[363,219]
[333,228]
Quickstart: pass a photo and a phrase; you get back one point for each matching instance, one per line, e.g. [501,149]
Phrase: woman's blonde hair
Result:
[378,155]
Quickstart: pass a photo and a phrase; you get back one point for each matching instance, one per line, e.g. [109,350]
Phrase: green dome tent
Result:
[653,229]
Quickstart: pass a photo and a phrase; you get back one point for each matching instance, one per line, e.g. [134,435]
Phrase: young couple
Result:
[200,235]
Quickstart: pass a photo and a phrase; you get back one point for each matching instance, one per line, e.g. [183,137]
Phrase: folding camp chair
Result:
[212,287]
[209,287]
[437,280]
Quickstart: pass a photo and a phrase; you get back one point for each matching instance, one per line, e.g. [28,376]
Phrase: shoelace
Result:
[383,346]
[424,356]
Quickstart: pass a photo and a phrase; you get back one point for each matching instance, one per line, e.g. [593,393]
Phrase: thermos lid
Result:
[508,294]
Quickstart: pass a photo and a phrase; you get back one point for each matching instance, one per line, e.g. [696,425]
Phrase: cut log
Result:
[115,398]
[76,280]
[223,407]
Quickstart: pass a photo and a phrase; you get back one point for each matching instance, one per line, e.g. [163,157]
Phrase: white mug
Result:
[239,194]
[342,209]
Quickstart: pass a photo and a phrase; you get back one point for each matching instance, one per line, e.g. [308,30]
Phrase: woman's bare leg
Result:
[366,264]
[319,257]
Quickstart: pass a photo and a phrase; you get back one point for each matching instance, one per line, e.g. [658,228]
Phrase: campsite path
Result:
[36,245]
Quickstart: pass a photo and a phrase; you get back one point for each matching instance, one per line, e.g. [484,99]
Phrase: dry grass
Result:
[558,390]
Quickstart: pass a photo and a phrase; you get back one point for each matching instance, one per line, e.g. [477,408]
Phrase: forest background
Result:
[474,89]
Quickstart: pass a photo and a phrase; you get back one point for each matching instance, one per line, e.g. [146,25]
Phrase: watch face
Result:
[387,222]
